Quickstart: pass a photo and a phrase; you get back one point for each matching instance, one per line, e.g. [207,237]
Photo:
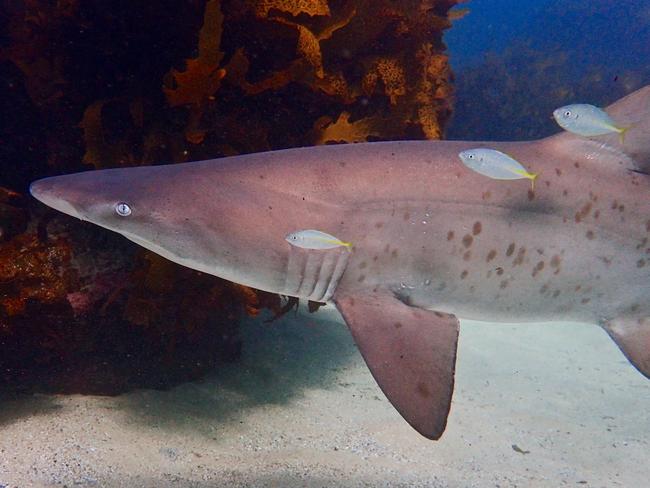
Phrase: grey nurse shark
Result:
[432,240]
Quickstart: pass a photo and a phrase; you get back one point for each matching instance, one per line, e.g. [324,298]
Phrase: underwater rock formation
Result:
[97,85]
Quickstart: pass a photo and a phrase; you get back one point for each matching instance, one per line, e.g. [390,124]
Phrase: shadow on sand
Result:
[279,361]
[14,406]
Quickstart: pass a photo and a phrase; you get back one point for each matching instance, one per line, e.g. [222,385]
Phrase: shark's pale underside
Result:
[432,240]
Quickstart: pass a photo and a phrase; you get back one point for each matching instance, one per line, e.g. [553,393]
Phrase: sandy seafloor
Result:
[301,410]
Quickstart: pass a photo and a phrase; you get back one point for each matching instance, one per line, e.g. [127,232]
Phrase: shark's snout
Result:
[51,192]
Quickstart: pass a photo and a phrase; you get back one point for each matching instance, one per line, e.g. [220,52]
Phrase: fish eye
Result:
[567,113]
[123,209]
[470,156]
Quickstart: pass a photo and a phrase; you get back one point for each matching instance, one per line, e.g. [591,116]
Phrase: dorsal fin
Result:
[633,152]
[633,111]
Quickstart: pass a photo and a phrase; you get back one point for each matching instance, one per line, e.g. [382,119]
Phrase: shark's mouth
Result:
[314,274]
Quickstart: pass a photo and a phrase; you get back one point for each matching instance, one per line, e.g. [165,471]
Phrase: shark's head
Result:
[115,199]
[213,223]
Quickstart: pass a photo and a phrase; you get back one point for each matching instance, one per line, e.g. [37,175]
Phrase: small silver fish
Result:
[587,120]
[495,164]
[315,239]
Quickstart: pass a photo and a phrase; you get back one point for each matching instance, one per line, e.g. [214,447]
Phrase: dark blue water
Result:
[490,26]
[515,61]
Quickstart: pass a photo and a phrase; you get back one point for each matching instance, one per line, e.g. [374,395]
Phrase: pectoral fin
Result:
[632,336]
[410,352]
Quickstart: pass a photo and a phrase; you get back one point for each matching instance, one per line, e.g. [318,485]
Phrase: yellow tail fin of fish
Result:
[622,131]
[531,176]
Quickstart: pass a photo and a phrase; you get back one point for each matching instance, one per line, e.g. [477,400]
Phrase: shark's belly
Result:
[496,265]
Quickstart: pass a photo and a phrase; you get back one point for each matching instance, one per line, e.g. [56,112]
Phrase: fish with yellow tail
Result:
[315,239]
[587,120]
[496,165]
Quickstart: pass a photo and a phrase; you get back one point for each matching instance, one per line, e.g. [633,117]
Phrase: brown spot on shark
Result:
[606,260]
[464,274]
[467,240]
[556,260]
[583,212]
[423,390]
[520,256]
[450,235]
[510,250]
[590,235]
[491,255]
[476,229]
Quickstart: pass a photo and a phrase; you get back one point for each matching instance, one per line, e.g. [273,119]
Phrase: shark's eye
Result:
[123,209]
